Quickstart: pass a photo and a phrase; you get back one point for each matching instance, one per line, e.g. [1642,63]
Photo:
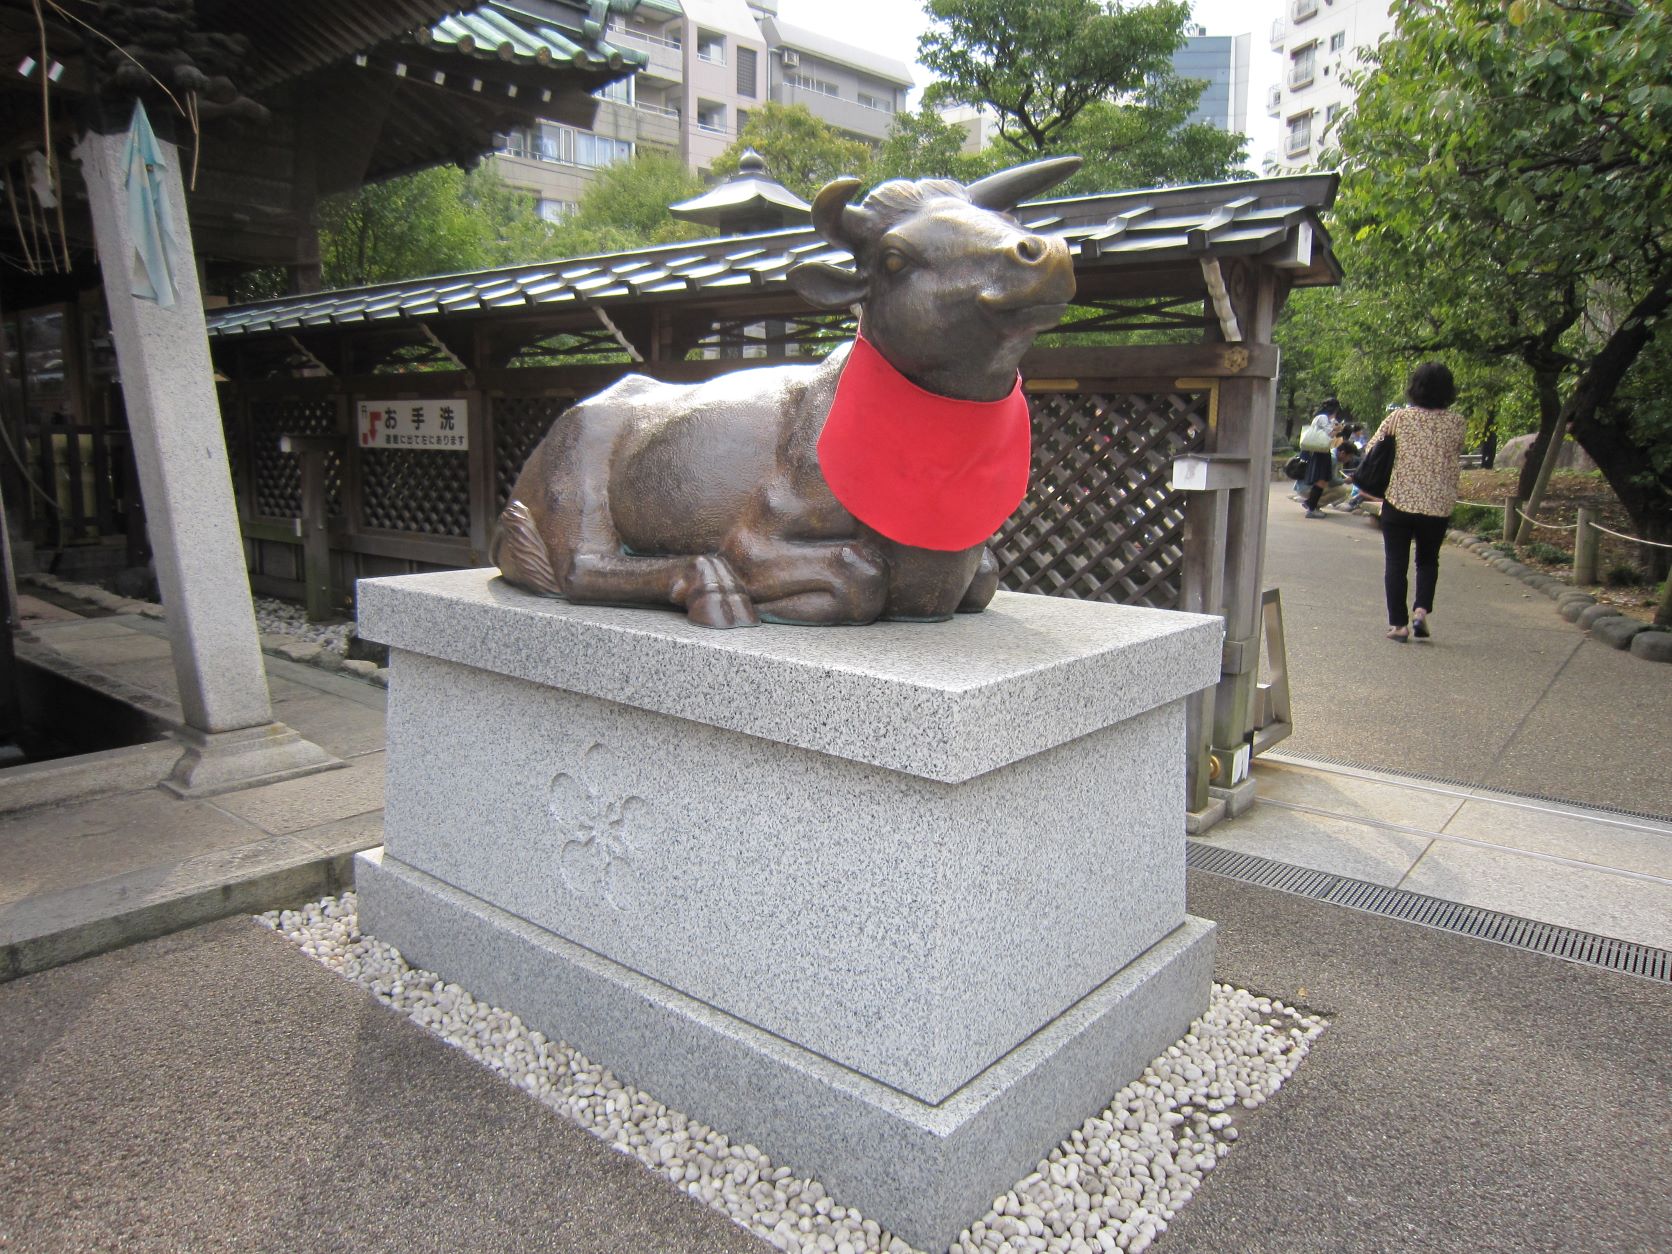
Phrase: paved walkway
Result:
[1508,699]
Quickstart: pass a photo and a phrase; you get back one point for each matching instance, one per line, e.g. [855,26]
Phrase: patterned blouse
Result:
[1427,458]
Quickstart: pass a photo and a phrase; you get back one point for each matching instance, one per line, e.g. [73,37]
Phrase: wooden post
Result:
[1585,548]
[1201,591]
[316,536]
[1512,518]
[1247,410]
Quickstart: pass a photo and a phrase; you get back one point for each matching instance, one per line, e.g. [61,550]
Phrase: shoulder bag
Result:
[1371,477]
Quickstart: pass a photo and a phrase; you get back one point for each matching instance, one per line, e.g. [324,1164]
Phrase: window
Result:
[742,120]
[711,117]
[554,210]
[1331,113]
[746,72]
[513,144]
[1303,9]
[1338,41]
[597,150]
[711,47]
[554,143]
[808,83]
[1299,137]
[883,104]
[620,91]
[1303,66]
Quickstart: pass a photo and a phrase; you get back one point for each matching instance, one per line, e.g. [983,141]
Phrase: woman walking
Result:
[1317,444]
[1427,452]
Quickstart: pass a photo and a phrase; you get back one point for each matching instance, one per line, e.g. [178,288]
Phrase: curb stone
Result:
[1654,646]
[276,644]
[1605,623]
[1590,614]
[1617,633]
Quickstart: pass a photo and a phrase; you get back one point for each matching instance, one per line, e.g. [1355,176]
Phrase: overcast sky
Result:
[893,26]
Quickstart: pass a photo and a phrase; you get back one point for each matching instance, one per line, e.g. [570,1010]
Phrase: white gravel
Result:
[1112,1184]
[289,619]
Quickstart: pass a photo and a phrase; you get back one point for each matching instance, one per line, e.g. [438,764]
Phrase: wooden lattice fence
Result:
[1099,522]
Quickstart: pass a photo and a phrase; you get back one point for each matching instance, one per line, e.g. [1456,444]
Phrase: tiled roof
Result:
[1124,229]
[505,32]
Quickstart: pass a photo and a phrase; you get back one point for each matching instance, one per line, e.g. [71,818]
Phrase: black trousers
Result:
[1399,529]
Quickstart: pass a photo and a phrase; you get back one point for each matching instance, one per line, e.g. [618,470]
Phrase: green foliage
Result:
[801,151]
[1542,552]
[1623,575]
[923,145]
[1503,201]
[1079,76]
[437,221]
[1040,64]
[627,207]
[1477,518]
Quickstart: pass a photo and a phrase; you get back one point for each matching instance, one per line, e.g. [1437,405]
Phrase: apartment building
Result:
[1319,41]
[710,63]
[856,91]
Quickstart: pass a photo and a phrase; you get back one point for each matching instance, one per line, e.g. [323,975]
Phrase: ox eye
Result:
[894,262]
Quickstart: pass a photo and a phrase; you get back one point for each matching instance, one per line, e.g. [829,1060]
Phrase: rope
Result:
[1548,526]
[1483,504]
[1654,544]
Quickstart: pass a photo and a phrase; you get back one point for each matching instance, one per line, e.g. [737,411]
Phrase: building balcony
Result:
[1297,142]
[667,57]
[658,125]
[1300,10]
[1279,33]
[844,115]
[1274,101]
[1301,76]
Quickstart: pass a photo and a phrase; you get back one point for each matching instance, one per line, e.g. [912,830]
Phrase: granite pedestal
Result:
[900,904]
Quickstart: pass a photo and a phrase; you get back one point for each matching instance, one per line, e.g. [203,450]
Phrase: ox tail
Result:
[520,552]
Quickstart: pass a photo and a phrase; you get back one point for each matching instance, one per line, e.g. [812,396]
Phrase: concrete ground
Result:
[1507,695]
[216,1090]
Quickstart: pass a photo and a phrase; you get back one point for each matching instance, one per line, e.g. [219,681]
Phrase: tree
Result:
[627,207]
[1517,161]
[433,222]
[1081,76]
[924,145]
[801,151]
[1039,65]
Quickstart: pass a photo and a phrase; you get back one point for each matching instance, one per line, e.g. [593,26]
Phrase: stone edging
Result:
[1603,622]
[275,644]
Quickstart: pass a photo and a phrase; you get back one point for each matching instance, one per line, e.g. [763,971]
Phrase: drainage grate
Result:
[1566,943]
[1318,759]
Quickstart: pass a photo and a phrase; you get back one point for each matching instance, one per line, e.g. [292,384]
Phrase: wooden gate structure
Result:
[1152,405]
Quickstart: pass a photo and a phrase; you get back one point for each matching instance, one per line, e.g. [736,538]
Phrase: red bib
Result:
[922,469]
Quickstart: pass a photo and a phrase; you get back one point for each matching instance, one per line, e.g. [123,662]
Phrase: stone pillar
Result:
[180,451]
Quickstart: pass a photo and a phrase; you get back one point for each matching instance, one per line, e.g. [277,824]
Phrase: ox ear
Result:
[1008,188]
[827,286]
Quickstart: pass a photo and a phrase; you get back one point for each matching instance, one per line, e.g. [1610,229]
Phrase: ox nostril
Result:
[1030,248]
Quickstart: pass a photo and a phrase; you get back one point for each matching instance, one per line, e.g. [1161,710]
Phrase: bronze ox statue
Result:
[717,496]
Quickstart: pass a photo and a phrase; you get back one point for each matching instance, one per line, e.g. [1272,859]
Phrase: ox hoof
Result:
[722,607]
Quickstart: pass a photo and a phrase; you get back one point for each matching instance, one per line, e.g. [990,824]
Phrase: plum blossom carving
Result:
[596,858]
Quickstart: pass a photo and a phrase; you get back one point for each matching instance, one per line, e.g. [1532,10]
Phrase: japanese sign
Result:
[436,425]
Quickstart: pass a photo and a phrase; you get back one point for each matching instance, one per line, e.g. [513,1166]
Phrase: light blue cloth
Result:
[150,217]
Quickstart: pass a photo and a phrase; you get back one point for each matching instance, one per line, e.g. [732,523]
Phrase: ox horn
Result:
[1009,188]
[834,218]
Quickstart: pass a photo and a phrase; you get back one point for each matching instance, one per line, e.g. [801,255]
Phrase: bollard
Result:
[1585,548]
[1512,517]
